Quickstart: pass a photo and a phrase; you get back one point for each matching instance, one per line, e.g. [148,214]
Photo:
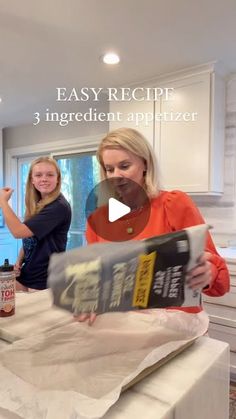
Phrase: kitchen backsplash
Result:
[220,212]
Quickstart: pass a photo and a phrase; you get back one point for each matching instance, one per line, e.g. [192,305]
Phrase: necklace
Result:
[130,230]
[130,222]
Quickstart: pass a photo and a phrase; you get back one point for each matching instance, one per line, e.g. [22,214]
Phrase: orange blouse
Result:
[173,211]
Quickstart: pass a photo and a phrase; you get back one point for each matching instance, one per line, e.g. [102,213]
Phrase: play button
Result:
[116,209]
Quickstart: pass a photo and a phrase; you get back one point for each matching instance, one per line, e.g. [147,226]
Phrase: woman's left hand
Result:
[91,317]
[200,276]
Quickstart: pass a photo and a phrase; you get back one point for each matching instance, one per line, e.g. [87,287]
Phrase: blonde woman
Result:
[46,224]
[126,154]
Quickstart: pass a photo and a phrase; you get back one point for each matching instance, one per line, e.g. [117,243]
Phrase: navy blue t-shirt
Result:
[50,227]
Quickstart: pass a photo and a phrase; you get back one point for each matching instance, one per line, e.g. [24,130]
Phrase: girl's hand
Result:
[5,194]
[17,268]
[200,276]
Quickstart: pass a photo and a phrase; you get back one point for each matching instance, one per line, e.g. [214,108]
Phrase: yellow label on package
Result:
[143,280]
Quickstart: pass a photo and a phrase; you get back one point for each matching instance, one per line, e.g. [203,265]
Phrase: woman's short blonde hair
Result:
[133,141]
[34,203]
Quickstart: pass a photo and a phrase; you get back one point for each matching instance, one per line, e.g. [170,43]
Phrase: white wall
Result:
[49,131]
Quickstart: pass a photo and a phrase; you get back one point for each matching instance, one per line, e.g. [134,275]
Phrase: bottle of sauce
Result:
[7,289]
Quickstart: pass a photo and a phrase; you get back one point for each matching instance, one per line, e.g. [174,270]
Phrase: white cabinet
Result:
[189,149]
[187,130]
[135,114]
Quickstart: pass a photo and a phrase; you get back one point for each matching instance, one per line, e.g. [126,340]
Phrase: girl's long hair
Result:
[34,203]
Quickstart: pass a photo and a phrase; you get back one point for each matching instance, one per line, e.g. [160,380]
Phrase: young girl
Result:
[46,224]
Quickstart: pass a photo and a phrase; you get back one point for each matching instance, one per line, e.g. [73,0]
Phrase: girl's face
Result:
[123,164]
[44,178]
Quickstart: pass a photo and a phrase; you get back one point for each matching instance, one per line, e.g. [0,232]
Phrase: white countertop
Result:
[34,314]
[229,253]
[195,384]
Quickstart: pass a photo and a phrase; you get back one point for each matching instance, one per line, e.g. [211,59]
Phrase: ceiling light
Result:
[111,58]
[0,99]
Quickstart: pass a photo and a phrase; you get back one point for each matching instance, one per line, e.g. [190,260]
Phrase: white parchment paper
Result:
[78,371]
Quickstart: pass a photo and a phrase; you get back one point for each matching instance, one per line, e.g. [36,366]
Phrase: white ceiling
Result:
[50,43]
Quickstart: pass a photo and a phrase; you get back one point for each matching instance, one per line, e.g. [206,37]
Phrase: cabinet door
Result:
[183,147]
[134,114]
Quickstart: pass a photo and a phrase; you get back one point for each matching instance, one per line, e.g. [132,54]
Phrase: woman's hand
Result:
[200,276]
[91,317]
[5,194]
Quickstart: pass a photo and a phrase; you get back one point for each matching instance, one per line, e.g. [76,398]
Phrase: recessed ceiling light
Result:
[0,99]
[111,58]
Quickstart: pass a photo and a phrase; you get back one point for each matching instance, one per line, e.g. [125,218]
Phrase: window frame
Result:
[59,155]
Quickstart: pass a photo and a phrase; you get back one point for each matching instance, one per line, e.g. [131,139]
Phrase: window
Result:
[1,174]
[80,173]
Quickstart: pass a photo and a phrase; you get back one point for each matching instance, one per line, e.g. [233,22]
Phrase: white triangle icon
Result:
[116,209]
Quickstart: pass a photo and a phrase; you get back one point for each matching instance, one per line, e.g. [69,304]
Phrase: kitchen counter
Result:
[35,308]
[222,310]
[194,384]
[228,253]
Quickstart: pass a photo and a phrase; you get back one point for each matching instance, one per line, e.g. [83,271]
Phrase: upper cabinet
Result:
[135,114]
[186,129]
